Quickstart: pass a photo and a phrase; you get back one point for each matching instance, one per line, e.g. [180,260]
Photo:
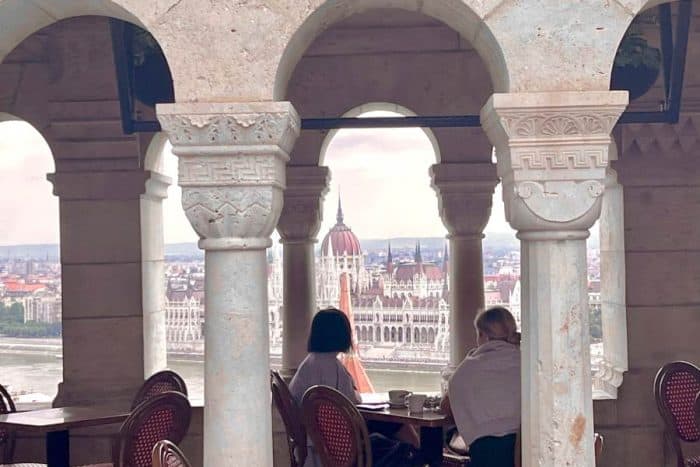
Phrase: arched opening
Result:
[61,60]
[336,74]
[30,267]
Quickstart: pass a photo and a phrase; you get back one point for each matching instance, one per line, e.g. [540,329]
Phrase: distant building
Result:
[42,308]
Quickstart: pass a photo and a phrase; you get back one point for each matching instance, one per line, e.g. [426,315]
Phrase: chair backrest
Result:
[675,388]
[336,428]
[159,383]
[697,409]
[291,417]
[163,416]
[7,438]
[167,454]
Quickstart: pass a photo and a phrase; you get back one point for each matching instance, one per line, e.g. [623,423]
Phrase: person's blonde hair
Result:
[498,323]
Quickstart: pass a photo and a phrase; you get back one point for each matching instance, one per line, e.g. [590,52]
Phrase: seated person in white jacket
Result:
[484,391]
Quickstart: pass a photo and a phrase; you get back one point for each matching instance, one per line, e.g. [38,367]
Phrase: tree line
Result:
[12,323]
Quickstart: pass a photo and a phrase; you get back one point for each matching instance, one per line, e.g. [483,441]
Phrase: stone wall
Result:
[659,169]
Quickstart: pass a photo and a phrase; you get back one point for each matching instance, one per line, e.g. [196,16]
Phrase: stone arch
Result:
[400,334]
[35,15]
[378,334]
[387,336]
[373,107]
[465,17]
[154,159]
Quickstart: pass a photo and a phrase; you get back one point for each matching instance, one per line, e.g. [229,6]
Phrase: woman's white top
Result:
[484,392]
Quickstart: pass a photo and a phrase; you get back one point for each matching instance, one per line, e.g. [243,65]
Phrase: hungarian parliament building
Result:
[400,309]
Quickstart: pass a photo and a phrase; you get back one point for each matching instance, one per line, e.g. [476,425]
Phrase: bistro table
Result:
[56,424]
[430,422]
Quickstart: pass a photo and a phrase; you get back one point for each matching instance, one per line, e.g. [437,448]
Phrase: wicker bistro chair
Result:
[676,387]
[291,417]
[336,428]
[164,416]
[167,454]
[158,383]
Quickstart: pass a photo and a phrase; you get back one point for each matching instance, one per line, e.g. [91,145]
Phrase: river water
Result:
[40,374]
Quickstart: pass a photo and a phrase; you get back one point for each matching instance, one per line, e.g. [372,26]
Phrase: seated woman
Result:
[484,391]
[331,335]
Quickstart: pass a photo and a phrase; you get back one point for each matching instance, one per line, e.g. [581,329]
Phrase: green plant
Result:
[636,52]
[143,46]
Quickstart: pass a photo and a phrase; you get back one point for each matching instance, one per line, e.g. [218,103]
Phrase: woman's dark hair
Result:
[330,332]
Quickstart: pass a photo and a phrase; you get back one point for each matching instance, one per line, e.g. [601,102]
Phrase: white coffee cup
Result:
[398,396]
[416,402]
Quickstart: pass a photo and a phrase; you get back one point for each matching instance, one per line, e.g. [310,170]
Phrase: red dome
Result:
[340,241]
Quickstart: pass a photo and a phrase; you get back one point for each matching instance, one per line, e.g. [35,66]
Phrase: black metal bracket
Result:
[121,47]
[674,51]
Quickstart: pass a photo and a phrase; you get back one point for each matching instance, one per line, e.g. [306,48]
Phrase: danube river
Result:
[39,374]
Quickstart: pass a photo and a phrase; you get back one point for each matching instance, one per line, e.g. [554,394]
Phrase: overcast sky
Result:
[382,176]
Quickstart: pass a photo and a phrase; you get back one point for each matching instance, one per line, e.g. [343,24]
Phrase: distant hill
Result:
[30,251]
[493,240]
[184,250]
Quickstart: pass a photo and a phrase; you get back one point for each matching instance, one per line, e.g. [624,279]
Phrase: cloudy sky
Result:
[381,174]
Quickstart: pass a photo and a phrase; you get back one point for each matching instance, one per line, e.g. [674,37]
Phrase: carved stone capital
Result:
[232,161]
[553,150]
[465,195]
[607,378]
[303,203]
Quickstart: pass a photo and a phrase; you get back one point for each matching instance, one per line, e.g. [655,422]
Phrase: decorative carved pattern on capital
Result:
[465,195]
[564,122]
[547,199]
[232,212]
[231,125]
[302,213]
[231,167]
[553,151]
[239,170]
[607,378]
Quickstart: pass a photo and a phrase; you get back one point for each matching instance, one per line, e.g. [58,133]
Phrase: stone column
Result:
[465,193]
[152,274]
[552,153]
[298,226]
[102,257]
[232,171]
[608,378]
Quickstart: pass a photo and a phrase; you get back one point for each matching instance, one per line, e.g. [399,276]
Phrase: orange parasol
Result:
[351,360]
